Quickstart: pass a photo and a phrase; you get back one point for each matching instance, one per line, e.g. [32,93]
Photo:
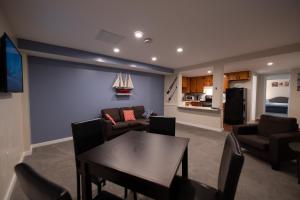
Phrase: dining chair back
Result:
[37,187]
[87,135]
[230,168]
[162,125]
[229,173]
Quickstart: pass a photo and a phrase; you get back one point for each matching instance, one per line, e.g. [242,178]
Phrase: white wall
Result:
[294,102]
[11,128]
[280,91]
[198,118]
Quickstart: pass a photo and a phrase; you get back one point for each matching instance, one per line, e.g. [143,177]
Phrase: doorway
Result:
[277,94]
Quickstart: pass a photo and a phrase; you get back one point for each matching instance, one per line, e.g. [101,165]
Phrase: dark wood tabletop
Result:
[143,162]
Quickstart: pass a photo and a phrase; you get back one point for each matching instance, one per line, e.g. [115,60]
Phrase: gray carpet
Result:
[257,181]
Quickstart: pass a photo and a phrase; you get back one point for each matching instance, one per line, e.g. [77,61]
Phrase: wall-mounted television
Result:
[11,69]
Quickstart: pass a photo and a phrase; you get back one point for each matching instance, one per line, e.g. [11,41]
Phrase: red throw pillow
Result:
[108,117]
[129,115]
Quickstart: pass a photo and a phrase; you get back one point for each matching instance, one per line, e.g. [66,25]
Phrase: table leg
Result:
[298,168]
[185,164]
[86,184]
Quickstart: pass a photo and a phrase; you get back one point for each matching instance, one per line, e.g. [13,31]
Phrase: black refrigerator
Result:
[235,106]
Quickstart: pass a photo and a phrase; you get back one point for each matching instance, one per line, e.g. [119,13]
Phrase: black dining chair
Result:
[162,125]
[87,135]
[37,187]
[229,173]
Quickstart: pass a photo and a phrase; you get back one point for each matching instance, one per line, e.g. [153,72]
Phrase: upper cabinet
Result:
[238,76]
[186,84]
[193,84]
[196,84]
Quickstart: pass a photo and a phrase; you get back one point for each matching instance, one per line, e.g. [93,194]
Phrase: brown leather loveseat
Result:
[269,138]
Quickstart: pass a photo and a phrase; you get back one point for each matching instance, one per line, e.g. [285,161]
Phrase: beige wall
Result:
[294,102]
[261,94]
[198,118]
[11,127]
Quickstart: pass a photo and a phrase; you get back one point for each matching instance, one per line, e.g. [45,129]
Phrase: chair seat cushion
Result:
[192,190]
[120,125]
[106,196]
[256,141]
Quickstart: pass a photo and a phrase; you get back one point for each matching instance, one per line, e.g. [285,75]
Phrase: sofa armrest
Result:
[279,146]
[154,114]
[245,129]
[106,128]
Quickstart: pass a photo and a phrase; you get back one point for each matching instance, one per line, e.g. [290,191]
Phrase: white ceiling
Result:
[283,63]
[206,29]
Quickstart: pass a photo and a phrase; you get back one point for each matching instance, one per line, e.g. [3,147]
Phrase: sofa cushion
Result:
[129,115]
[108,117]
[133,123]
[121,110]
[113,112]
[256,141]
[271,125]
[120,125]
[139,111]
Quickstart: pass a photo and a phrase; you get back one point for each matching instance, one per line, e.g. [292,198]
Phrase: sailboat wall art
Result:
[123,85]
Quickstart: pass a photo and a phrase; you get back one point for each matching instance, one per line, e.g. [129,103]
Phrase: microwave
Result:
[189,98]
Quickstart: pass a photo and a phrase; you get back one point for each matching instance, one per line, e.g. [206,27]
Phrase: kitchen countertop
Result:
[199,108]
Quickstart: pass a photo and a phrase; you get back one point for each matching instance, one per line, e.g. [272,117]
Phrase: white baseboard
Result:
[201,126]
[51,142]
[14,177]
[27,153]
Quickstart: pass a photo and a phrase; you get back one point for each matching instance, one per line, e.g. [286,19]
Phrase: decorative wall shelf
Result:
[123,94]
[122,86]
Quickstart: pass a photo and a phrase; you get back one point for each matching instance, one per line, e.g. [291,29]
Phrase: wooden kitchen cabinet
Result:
[243,76]
[226,82]
[196,84]
[200,84]
[193,84]
[186,84]
[238,76]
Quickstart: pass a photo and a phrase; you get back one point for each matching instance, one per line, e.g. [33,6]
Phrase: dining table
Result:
[143,162]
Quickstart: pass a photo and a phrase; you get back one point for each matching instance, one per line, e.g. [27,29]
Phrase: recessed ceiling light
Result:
[100,60]
[132,65]
[138,34]
[270,63]
[153,58]
[148,40]
[116,50]
[209,71]
[179,49]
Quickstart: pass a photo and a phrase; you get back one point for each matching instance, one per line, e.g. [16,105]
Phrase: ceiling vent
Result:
[109,37]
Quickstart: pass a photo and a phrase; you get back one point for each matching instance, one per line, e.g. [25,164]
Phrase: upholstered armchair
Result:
[269,138]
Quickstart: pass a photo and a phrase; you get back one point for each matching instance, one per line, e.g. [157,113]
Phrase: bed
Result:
[277,105]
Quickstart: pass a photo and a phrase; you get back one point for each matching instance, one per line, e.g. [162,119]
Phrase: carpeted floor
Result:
[257,181]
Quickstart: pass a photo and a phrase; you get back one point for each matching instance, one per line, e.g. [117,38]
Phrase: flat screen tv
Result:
[11,70]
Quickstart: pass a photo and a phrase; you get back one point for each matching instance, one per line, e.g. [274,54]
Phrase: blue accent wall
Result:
[63,92]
